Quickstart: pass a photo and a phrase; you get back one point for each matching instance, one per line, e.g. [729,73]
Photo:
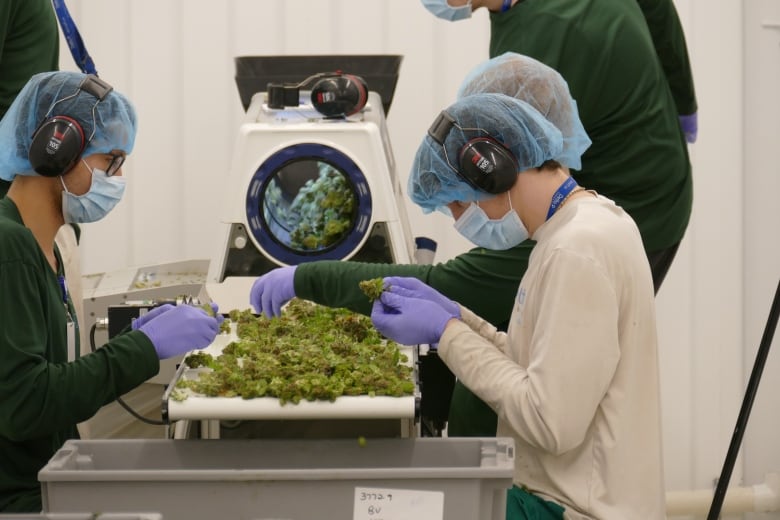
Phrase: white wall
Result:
[699,305]
[761,216]
[174,59]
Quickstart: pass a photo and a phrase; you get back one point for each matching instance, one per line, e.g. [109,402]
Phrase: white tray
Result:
[199,407]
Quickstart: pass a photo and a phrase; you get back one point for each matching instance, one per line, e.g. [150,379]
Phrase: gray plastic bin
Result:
[83,516]
[276,479]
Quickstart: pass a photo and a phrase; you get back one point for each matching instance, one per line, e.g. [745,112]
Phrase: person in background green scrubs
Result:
[627,65]
[29,44]
[62,146]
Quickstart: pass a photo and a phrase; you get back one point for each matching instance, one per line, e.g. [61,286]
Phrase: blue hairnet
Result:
[540,86]
[433,182]
[114,122]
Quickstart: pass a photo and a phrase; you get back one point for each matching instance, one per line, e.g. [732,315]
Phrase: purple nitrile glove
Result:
[415,288]
[144,318]
[180,330]
[409,321]
[272,290]
[690,126]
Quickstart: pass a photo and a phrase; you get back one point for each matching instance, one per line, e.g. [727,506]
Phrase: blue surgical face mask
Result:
[441,9]
[104,193]
[505,233]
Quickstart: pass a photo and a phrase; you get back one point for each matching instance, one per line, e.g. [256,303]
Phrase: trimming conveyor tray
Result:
[200,407]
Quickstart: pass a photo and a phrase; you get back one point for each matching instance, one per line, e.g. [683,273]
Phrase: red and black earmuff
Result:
[483,162]
[334,94]
[59,140]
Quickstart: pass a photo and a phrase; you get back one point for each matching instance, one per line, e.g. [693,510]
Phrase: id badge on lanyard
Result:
[72,326]
[71,339]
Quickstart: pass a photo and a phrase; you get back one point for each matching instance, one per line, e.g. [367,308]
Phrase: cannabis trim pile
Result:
[320,214]
[311,353]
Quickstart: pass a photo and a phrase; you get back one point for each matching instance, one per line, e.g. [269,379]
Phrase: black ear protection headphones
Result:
[333,95]
[58,141]
[483,162]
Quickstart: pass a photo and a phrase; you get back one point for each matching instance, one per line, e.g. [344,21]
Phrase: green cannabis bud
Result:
[373,288]
[199,359]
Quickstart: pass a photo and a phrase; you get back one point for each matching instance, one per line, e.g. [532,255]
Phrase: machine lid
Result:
[254,73]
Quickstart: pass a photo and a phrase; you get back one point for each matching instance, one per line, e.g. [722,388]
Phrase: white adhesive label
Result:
[397,504]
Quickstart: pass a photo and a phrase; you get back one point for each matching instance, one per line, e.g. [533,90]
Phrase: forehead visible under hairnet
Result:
[114,121]
[532,81]
[517,125]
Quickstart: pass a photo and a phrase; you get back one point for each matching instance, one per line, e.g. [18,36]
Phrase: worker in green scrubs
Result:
[62,146]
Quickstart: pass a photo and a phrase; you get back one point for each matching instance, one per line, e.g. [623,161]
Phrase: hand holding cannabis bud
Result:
[411,312]
[415,288]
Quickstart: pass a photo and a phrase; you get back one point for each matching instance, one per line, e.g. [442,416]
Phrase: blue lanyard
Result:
[63,289]
[560,195]
[77,49]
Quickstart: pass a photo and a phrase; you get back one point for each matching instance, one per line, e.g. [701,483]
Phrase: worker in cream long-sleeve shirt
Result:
[574,380]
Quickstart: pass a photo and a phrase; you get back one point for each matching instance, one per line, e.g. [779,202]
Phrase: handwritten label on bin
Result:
[397,504]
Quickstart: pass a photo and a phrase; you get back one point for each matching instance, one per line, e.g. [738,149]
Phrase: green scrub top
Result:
[29,44]
[622,79]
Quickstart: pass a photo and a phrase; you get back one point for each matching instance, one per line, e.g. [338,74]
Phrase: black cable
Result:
[119,399]
[747,404]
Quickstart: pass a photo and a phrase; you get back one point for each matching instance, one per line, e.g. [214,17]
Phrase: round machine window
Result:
[308,201]
[309,205]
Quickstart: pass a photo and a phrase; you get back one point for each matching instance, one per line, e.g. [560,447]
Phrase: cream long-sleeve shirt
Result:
[575,378]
